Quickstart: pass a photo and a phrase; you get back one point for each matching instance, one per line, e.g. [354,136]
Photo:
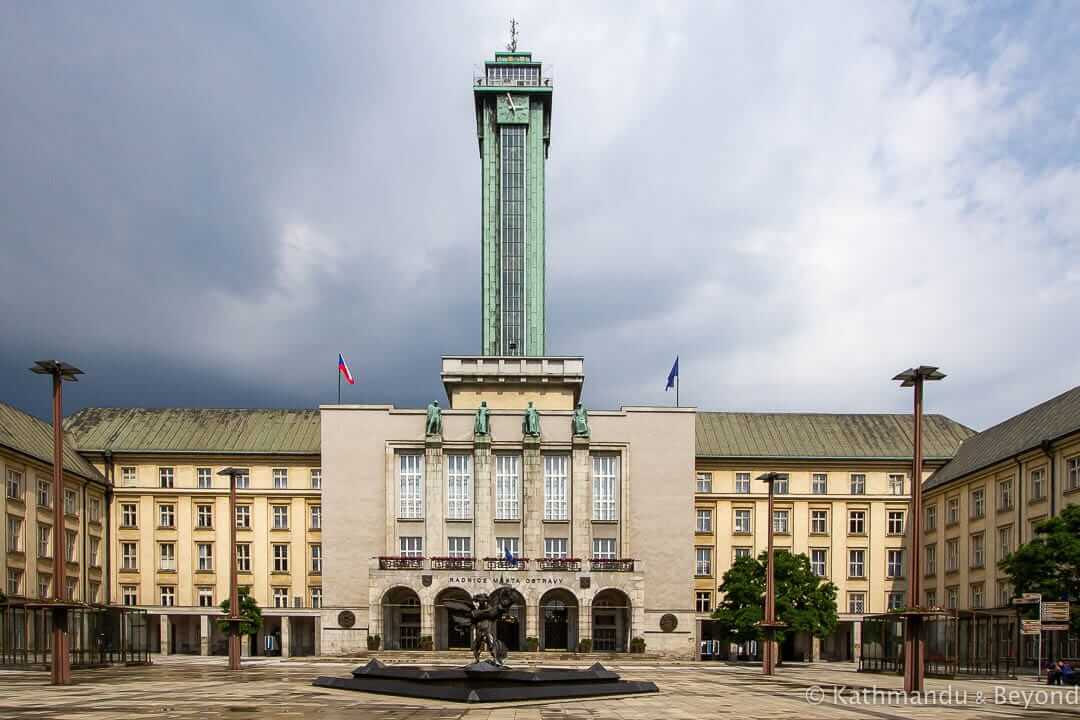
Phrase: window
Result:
[243,479]
[1033,524]
[1004,542]
[129,594]
[71,502]
[316,597]
[281,478]
[896,484]
[412,547]
[978,503]
[459,547]
[166,516]
[952,511]
[894,600]
[703,600]
[781,485]
[896,522]
[818,561]
[931,518]
[512,238]
[206,597]
[204,516]
[316,484]
[1005,495]
[555,476]
[127,477]
[243,517]
[72,585]
[168,556]
[931,598]
[95,545]
[507,487]
[555,548]
[205,553]
[742,521]
[168,595]
[704,482]
[70,545]
[281,517]
[14,581]
[931,559]
[1072,473]
[204,478]
[977,592]
[605,480]
[857,522]
[14,484]
[281,597]
[856,603]
[243,557]
[507,545]
[316,558]
[603,548]
[1004,594]
[1038,488]
[93,510]
[316,517]
[858,484]
[819,483]
[14,534]
[894,563]
[459,487]
[129,515]
[507,74]
[819,522]
[742,483]
[978,550]
[780,522]
[704,521]
[704,561]
[951,597]
[129,556]
[281,557]
[44,493]
[411,486]
[742,552]
[952,555]
[44,533]
[165,477]
[856,563]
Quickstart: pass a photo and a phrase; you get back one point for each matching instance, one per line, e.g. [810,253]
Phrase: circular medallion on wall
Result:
[346,619]
[668,622]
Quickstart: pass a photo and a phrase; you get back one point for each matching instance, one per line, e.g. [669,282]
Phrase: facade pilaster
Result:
[482,498]
[204,635]
[580,510]
[435,542]
[285,645]
[533,510]
[163,628]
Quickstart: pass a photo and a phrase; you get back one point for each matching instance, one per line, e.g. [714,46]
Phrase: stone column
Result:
[285,636]
[204,635]
[815,649]
[856,634]
[427,621]
[581,505]
[163,628]
[532,515]
[435,543]
[532,620]
[584,621]
[318,636]
[482,494]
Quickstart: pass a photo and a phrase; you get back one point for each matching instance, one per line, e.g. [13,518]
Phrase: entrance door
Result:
[555,628]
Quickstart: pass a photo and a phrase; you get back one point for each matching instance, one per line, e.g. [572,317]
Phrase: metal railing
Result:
[611,565]
[453,563]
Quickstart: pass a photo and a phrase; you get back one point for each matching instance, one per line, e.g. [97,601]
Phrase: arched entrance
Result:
[449,634]
[610,621]
[401,619]
[558,620]
[513,634]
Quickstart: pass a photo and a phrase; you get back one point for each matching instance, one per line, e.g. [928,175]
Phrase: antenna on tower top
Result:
[512,47]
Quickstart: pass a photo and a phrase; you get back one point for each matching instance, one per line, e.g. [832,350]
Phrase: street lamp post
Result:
[770,625]
[234,618]
[914,628]
[60,664]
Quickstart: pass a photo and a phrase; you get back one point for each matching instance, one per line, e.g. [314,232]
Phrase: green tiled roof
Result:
[824,435]
[191,430]
[1048,421]
[26,434]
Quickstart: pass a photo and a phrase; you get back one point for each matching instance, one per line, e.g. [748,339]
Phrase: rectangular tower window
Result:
[605,481]
[411,486]
[555,476]
[507,487]
[459,487]
[512,237]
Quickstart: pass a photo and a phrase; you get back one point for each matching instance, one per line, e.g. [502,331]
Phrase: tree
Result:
[1049,563]
[804,602]
[249,612]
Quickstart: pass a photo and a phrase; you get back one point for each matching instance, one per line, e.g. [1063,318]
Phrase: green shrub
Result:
[584,645]
[373,642]
[637,645]
[426,643]
[531,644]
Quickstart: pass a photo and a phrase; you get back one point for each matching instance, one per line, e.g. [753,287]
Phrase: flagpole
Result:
[339,386]
[676,391]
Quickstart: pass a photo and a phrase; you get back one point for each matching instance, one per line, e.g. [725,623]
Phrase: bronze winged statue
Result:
[483,614]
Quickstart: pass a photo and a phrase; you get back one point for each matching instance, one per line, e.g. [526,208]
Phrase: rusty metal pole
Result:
[234,592]
[61,660]
[914,642]
[768,655]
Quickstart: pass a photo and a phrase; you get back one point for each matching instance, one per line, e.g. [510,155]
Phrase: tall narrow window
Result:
[742,483]
[894,563]
[316,558]
[703,564]
[129,556]
[512,237]
[858,484]
[44,493]
[856,563]
[896,484]
[206,556]
[281,478]
[165,477]
[704,482]
[819,483]
[127,476]
[818,564]
[243,557]
[605,483]
[316,479]
[281,557]
[555,481]
[507,487]
[459,487]
[411,486]
[168,556]
[204,478]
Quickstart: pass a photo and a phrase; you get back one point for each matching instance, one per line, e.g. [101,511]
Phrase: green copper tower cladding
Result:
[513,126]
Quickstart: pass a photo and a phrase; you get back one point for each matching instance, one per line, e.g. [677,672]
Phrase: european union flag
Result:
[673,375]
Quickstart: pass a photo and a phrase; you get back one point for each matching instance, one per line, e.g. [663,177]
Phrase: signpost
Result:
[1031,625]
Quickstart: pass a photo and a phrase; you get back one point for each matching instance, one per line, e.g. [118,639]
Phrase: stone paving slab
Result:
[201,689]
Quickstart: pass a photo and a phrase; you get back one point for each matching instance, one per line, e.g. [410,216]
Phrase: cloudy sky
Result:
[203,203]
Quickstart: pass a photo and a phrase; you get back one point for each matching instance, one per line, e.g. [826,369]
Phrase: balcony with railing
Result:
[516,564]
[399,562]
[611,564]
[560,564]
[453,563]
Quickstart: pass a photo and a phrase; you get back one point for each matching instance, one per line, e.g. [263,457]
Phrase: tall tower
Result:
[513,126]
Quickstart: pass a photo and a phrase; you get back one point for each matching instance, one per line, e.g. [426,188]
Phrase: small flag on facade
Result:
[507,555]
[673,375]
[343,368]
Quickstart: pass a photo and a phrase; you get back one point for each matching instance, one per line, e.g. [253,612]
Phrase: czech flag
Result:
[343,368]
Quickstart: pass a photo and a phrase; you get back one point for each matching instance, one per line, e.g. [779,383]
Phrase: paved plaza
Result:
[200,688]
